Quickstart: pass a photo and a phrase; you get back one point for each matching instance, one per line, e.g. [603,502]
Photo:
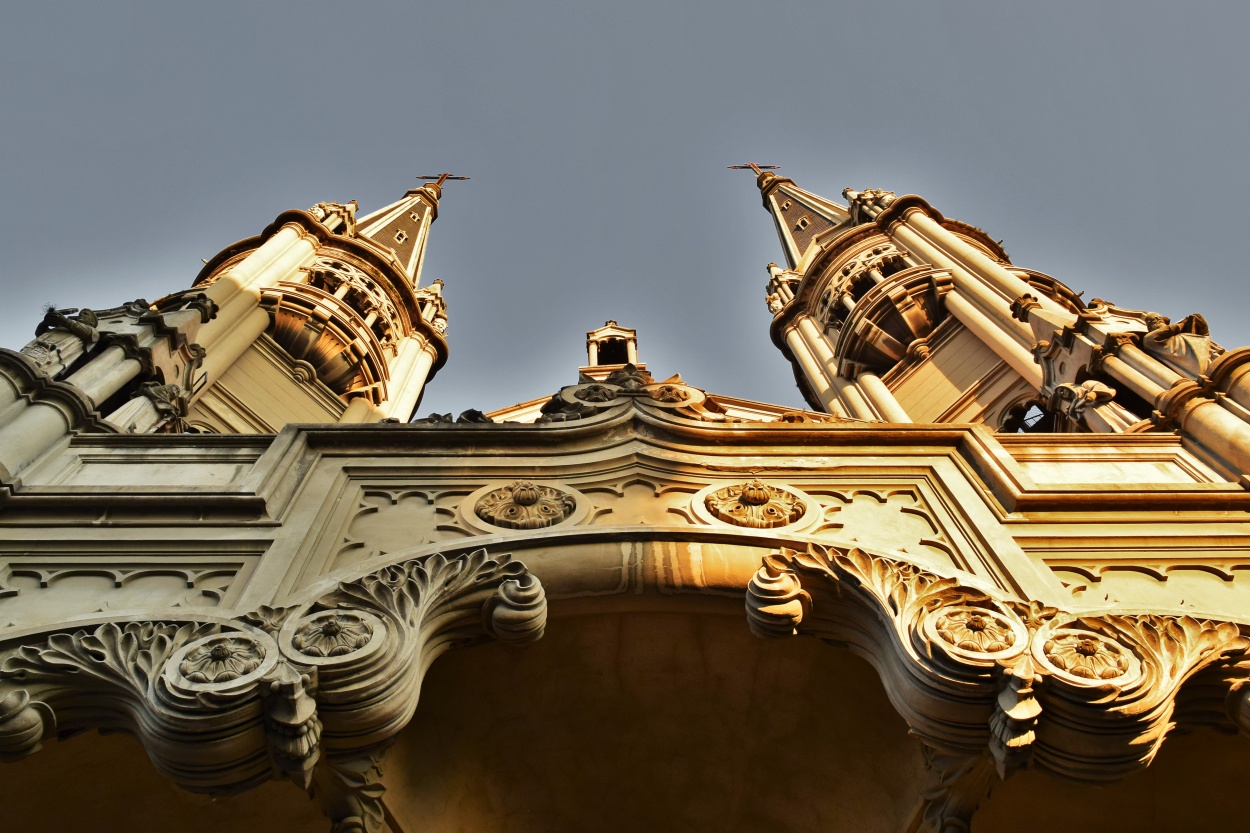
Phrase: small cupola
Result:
[610,348]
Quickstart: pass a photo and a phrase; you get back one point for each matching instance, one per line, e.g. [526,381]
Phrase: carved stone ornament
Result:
[675,395]
[630,378]
[595,393]
[668,393]
[1088,656]
[1075,400]
[225,704]
[951,656]
[332,634]
[580,401]
[974,631]
[222,659]
[755,505]
[525,505]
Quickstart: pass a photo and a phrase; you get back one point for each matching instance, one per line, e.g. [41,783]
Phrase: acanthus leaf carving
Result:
[893,613]
[1088,697]
[350,793]
[380,632]
[959,783]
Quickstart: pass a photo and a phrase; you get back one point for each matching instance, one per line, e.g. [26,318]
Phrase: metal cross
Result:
[759,169]
[441,178]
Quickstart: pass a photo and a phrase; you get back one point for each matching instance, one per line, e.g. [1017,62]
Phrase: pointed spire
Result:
[801,216]
[404,226]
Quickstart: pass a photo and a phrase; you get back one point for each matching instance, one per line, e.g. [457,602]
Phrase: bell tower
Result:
[330,325]
[320,318]
[889,311]
[608,349]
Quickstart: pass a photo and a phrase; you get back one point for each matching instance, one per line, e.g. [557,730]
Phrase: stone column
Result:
[811,370]
[994,306]
[1148,365]
[1138,382]
[882,397]
[975,261]
[37,426]
[1006,347]
[240,319]
[105,374]
[360,409]
[409,378]
[826,363]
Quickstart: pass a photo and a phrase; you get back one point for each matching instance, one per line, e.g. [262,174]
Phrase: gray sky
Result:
[1104,142]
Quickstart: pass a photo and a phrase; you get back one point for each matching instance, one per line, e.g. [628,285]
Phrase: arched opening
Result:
[655,720]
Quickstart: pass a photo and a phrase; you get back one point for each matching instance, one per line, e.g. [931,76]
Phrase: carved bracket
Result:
[1089,698]
[222,705]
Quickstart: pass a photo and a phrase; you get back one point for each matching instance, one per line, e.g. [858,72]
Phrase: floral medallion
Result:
[525,505]
[1084,656]
[332,633]
[756,505]
[222,660]
[976,632]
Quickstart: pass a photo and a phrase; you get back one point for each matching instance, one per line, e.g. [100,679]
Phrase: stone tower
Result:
[320,318]
[889,311]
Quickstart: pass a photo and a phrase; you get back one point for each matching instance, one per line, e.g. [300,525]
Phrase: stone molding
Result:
[301,691]
[993,684]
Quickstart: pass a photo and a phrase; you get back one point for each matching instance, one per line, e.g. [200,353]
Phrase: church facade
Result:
[995,577]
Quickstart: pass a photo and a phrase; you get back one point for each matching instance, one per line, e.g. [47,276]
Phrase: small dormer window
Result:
[415,217]
[802,224]
[786,205]
[400,236]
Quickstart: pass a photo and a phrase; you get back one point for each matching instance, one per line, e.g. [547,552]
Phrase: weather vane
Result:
[441,178]
[759,169]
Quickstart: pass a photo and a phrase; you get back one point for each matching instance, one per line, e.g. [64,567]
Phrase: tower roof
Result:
[801,217]
[403,227]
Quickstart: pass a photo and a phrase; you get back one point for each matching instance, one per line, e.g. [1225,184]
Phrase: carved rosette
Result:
[221,659]
[333,634]
[975,633]
[755,505]
[1083,657]
[525,505]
